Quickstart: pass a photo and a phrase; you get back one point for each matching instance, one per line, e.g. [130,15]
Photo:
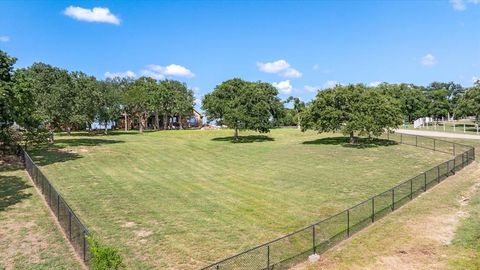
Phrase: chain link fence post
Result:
[268,257]
[373,209]
[348,222]
[313,240]
[425,181]
[393,199]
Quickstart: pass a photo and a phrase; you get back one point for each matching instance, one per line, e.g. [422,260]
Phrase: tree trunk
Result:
[165,119]
[352,138]
[69,130]
[51,139]
[106,128]
[180,126]
[126,121]
[140,123]
[298,123]
[157,122]
[236,134]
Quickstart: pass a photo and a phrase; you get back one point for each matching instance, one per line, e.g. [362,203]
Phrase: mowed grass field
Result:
[29,238]
[184,199]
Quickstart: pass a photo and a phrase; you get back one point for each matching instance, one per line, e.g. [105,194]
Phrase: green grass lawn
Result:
[29,238]
[183,199]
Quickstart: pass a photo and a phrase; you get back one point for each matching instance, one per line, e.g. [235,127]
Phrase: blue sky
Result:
[297,45]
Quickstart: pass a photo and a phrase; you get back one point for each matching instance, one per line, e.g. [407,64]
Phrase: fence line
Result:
[320,236]
[75,231]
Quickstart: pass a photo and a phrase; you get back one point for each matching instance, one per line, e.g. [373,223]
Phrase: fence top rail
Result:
[470,148]
[58,194]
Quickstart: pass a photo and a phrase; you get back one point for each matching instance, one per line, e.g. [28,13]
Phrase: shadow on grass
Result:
[50,154]
[244,139]
[360,143]
[12,191]
[10,163]
[99,133]
[84,142]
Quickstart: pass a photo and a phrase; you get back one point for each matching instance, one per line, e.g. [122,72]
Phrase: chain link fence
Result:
[75,231]
[290,249]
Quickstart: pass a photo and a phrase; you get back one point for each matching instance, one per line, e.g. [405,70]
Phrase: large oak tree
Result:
[242,105]
[352,109]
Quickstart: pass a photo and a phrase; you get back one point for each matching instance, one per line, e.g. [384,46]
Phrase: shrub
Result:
[104,257]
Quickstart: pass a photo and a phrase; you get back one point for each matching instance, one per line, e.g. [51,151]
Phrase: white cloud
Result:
[283,86]
[160,72]
[428,60]
[96,14]
[311,88]
[126,74]
[280,67]
[374,84]
[273,67]
[475,79]
[330,84]
[461,5]
[458,4]
[4,38]
[291,73]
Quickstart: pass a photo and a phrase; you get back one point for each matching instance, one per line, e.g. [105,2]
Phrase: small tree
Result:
[165,99]
[108,102]
[184,101]
[352,109]
[137,99]
[298,108]
[241,105]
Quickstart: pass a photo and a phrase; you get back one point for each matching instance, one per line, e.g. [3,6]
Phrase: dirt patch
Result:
[30,243]
[143,233]
[129,224]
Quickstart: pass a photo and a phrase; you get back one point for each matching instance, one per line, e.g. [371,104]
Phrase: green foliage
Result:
[108,97]
[469,103]
[410,98]
[298,107]
[352,109]
[242,105]
[104,257]
[137,98]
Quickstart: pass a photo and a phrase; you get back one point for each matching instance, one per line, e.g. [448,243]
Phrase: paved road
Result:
[438,134]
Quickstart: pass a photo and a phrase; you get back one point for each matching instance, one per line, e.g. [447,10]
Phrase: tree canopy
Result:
[242,105]
[352,109]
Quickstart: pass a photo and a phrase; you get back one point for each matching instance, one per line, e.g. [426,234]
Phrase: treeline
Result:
[438,100]
[43,98]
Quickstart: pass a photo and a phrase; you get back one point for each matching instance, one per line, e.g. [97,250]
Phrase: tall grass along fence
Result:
[318,237]
[75,231]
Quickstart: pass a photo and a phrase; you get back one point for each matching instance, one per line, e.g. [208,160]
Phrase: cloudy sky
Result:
[298,46]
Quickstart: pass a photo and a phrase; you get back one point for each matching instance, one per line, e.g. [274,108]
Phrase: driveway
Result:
[438,134]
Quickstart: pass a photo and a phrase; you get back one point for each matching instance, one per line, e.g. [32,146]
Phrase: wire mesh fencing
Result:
[75,231]
[285,251]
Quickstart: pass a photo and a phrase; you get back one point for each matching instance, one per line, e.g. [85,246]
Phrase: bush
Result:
[104,257]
